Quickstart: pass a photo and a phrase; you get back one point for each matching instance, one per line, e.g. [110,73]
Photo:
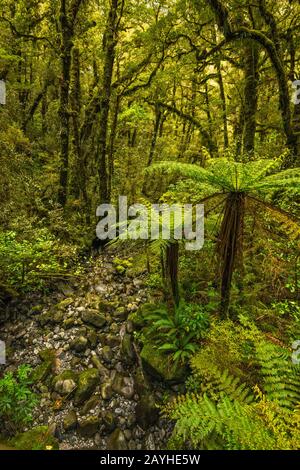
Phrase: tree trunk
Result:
[109,47]
[250,97]
[67,19]
[66,49]
[158,114]
[230,244]
[172,260]
[112,139]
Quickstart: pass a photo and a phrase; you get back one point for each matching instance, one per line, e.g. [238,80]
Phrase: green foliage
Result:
[154,281]
[25,262]
[225,411]
[122,265]
[236,187]
[17,401]
[177,332]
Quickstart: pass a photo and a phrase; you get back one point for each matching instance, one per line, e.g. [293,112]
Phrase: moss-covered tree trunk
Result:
[109,48]
[157,120]
[250,96]
[67,18]
[66,49]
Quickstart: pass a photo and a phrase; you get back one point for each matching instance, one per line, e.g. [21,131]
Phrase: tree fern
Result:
[240,183]
[226,412]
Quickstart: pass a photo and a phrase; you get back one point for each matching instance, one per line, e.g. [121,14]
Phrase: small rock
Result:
[107,354]
[89,426]
[106,390]
[91,404]
[64,387]
[87,383]
[70,421]
[146,411]
[79,344]
[109,421]
[117,441]
[93,317]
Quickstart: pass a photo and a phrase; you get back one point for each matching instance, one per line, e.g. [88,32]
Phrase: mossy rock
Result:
[161,366]
[138,318]
[38,438]
[70,421]
[127,348]
[94,318]
[47,355]
[92,338]
[87,382]
[91,404]
[89,426]
[65,375]
[64,303]
[117,440]
[107,306]
[45,318]
[146,411]
[43,370]
[69,323]
[36,309]
[79,344]
[52,317]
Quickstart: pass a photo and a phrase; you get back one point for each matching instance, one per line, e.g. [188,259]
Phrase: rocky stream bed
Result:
[94,387]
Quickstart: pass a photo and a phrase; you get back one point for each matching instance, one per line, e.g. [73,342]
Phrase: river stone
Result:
[101,368]
[89,426]
[112,340]
[109,421]
[107,354]
[42,371]
[117,440]
[124,386]
[146,411]
[106,390]
[65,387]
[120,314]
[66,375]
[91,404]
[70,421]
[87,383]
[79,344]
[38,438]
[127,348]
[150,442]
[92,338]
[69,323]
[93,317]
[160,366]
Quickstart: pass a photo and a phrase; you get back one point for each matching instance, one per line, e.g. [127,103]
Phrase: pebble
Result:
[122,292]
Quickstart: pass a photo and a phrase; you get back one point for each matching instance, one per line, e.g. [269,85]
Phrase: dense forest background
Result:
[171,101]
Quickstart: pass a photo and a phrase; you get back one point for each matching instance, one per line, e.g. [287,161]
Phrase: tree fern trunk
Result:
[172,259]
[230,244]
